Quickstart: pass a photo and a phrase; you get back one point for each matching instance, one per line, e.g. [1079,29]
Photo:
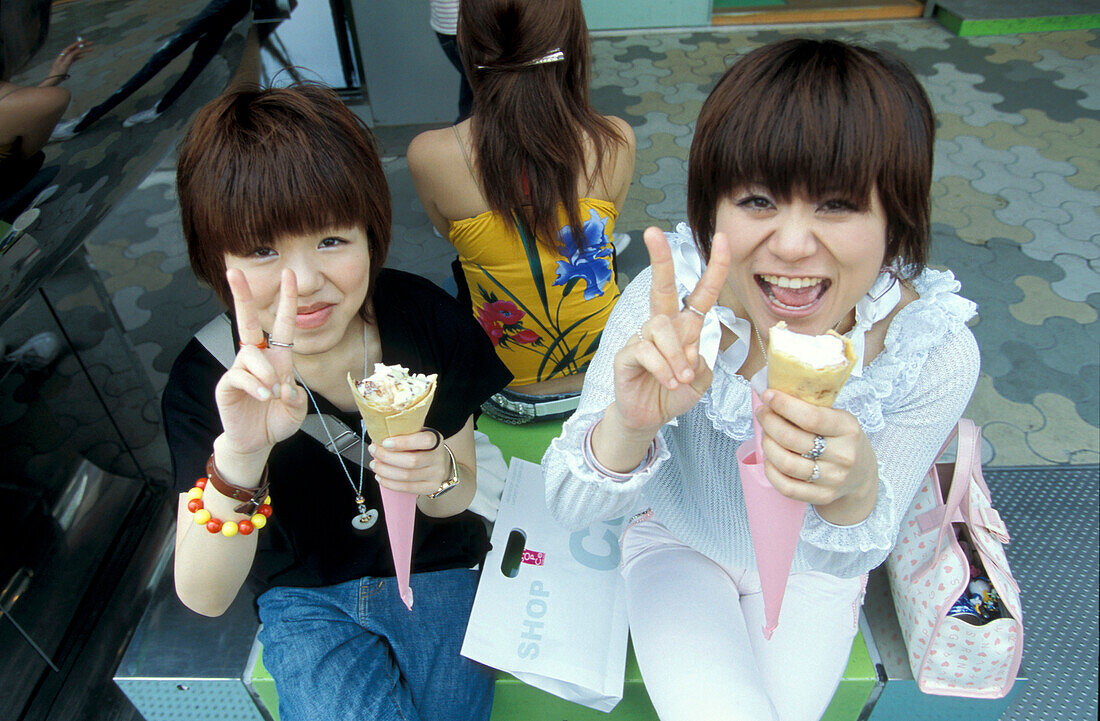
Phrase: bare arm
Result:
[429,178]
[260,404]
[31,114]
[619,180]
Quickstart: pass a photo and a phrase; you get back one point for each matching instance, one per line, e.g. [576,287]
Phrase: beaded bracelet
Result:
[227,528]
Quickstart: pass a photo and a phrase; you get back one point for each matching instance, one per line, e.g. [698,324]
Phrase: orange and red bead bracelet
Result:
[226,528]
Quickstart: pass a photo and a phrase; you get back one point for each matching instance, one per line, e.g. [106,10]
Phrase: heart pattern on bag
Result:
[989,658]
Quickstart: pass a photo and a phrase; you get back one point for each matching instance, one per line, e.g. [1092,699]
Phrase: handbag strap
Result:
[217,337]
[966,456]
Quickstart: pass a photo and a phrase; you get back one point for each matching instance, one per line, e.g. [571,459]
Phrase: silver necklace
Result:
[366,517]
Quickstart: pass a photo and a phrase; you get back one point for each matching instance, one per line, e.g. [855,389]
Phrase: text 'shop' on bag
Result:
[550,608]
[957,603]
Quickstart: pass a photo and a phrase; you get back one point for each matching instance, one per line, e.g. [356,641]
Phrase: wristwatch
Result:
[452,480]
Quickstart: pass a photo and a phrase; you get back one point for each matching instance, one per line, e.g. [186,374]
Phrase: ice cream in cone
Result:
[394,402]
[812,368]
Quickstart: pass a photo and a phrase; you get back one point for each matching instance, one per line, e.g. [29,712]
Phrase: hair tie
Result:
[554,56]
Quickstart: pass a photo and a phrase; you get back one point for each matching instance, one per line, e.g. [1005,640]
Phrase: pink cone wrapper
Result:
[775,523]
[400,507]
[400,517]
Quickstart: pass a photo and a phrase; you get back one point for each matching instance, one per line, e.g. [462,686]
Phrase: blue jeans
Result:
[353,651]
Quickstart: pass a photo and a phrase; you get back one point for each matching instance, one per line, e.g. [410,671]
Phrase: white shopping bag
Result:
[550,607]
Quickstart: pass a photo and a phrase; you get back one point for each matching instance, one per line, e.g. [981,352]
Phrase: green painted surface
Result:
[264,685]
[855,686]
[528,441]
[1007,26]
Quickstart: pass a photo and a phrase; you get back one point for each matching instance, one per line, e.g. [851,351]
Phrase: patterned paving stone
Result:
[955,91]
[956,203]
[1040,303]
[1082,279]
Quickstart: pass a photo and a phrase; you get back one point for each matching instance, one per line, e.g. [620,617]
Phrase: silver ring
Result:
[815,475]
[817,450]
[276,344]
[693,309]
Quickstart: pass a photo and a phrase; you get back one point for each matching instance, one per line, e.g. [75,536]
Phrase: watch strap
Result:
[252,497]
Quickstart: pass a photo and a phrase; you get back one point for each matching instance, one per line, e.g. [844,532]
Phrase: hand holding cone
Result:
[813,369]
[394,403]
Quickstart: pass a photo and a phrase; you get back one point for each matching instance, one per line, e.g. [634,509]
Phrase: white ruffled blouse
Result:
[906,400]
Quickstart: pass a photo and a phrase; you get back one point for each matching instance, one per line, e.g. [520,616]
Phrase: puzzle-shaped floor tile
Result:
[1082,278]
[1065,438]
[956,203]
[954,91]
[1080,74]
[1040,302]
[910,37]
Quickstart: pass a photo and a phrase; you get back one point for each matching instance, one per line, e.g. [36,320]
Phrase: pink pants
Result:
[697,626]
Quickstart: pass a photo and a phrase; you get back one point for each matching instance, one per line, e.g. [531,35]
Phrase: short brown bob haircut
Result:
[257,166]
[822,119]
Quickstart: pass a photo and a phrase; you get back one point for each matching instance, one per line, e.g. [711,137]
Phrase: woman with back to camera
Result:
[287,216]
[808,198]
[528,190]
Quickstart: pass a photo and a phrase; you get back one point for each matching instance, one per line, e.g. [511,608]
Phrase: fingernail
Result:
[672,384]
[275,390]
[685,375]
[370,449]
[371,465]
[388,443]
[264,394]
[293,393]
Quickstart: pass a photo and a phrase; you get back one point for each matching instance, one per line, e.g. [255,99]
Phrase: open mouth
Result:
[792,293]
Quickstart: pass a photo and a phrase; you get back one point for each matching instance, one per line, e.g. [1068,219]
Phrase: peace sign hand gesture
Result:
[258,399]
[659,373]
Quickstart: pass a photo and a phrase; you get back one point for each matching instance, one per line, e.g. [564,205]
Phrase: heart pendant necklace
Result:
[366,517]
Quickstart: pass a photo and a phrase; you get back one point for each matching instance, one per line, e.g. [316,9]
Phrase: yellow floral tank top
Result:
[543,310]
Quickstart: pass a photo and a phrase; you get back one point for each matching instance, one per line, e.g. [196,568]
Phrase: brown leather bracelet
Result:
[253,497]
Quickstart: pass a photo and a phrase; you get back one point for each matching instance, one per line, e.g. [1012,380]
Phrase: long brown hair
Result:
[260,165]
[530,122]
[820,118]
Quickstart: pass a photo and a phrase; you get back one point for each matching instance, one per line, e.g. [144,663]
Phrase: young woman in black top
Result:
[286,213]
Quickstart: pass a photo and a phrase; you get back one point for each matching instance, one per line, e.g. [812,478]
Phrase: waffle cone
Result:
[381,425]
[819,386]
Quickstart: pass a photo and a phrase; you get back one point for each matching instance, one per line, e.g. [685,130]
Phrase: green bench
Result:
[516,701]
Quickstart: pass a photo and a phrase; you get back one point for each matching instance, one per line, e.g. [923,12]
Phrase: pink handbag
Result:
[929,570]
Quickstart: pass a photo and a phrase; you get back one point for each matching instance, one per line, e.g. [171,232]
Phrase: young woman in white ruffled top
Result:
[808,201]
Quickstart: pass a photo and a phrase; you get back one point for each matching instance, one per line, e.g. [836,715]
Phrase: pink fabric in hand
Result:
[775,523]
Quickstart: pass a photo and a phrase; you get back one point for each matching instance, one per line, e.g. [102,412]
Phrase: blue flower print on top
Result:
[592,262]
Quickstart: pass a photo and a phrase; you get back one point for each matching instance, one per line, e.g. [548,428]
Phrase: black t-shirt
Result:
[309,540]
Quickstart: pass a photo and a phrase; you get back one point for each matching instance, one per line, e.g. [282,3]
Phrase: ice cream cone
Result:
[800,379]
[400,508]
